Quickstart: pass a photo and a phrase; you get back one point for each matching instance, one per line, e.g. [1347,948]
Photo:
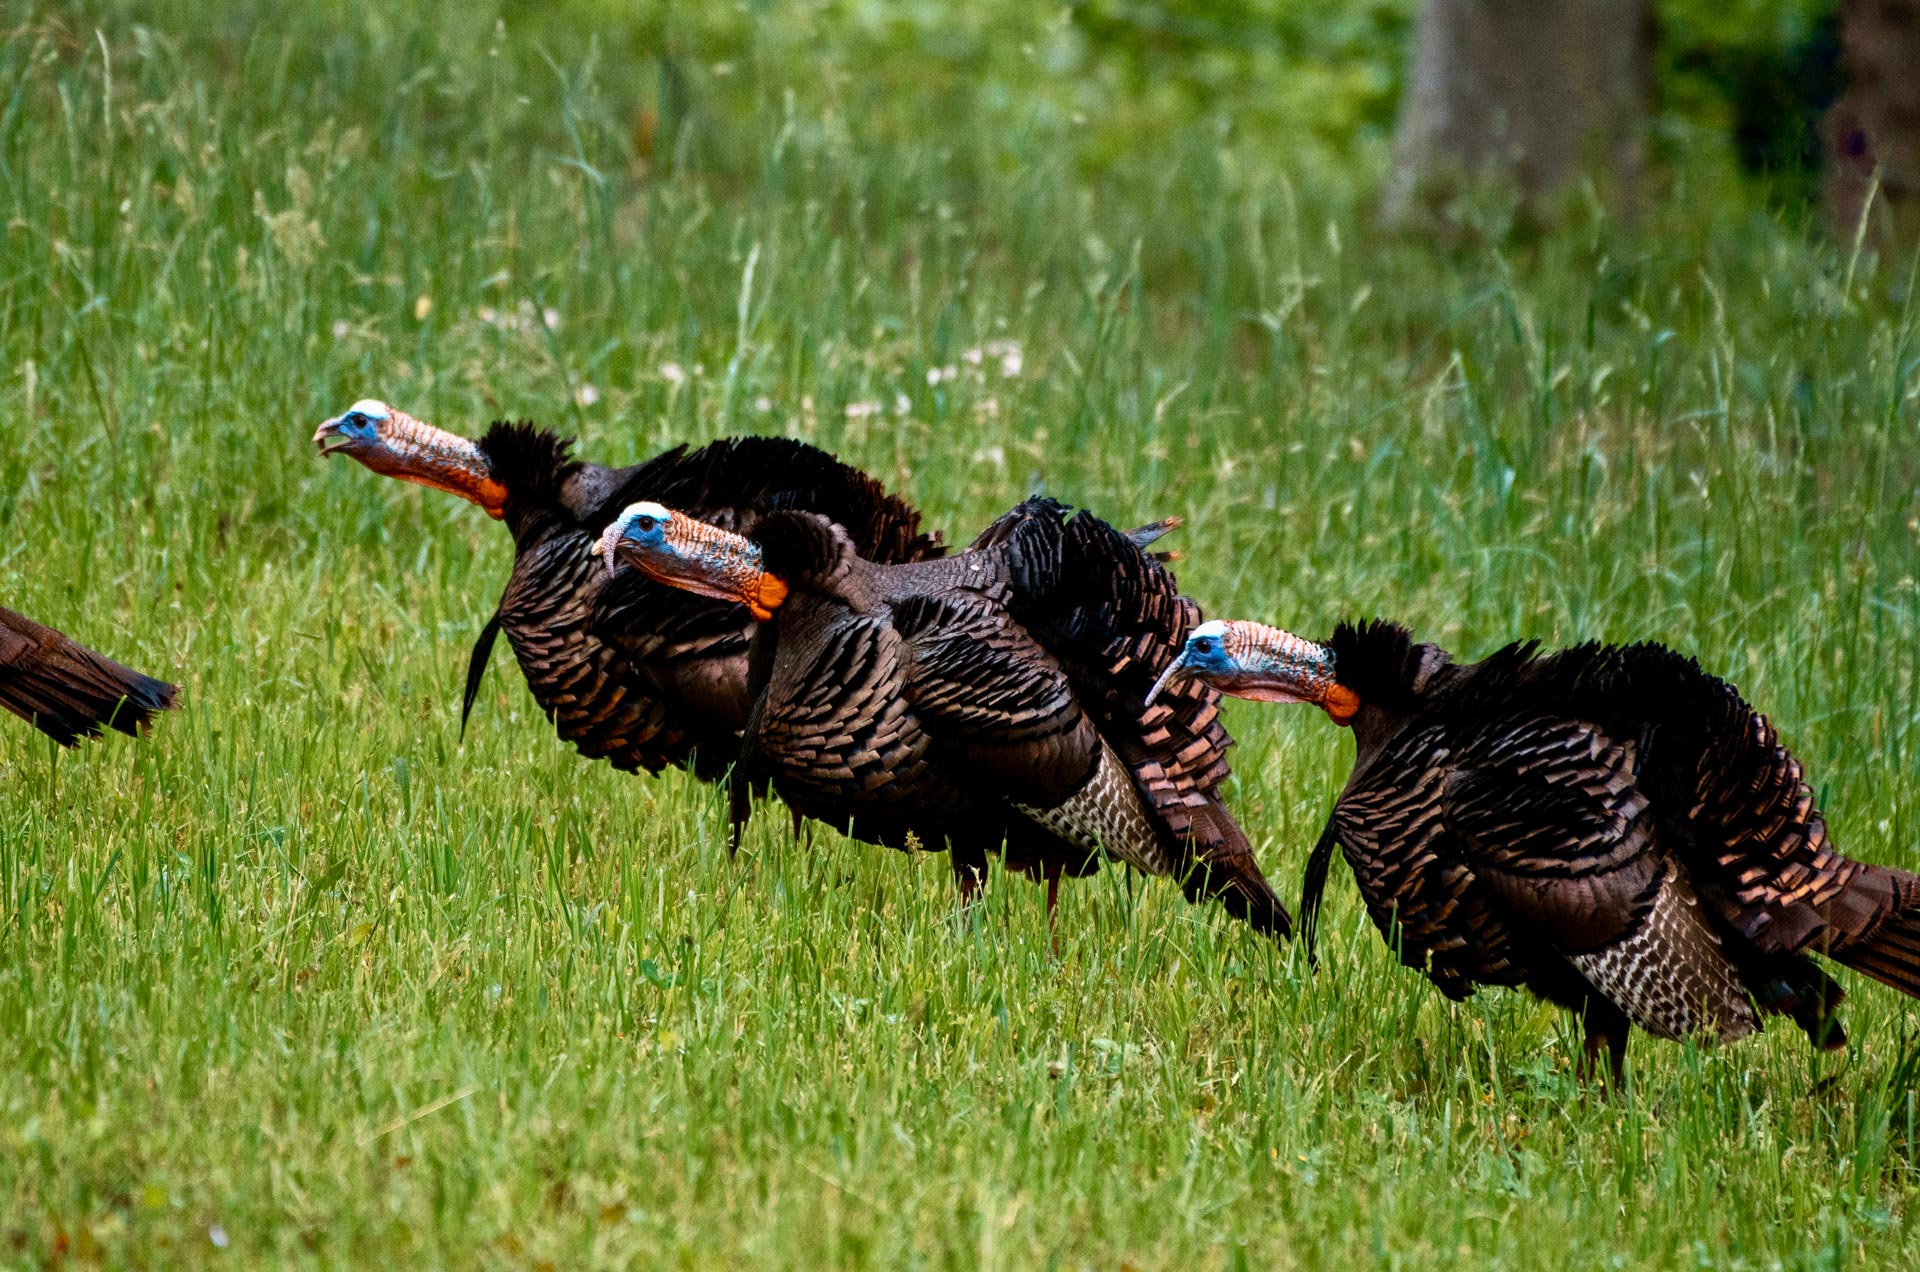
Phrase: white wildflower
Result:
[518,320]
[342,328]
[585,394]
[902,404]
[862,410]
[673,373]
[762,404]
[1012,361]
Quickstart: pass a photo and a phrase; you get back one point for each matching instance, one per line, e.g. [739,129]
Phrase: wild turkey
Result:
[642,675]
[1609,826]
[990,699]
[66,690]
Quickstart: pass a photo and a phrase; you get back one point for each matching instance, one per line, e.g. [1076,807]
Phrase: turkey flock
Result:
[1612,828]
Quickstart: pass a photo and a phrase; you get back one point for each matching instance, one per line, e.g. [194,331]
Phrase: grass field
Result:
[306,978]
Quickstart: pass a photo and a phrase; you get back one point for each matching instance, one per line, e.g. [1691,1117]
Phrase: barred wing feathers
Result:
[1114,618]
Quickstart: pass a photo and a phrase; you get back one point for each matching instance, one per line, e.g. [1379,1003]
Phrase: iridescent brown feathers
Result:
[68,691]
[932,703]
[1609,826]
[642,675]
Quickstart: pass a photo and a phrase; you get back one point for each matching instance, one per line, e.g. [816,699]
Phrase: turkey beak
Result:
[329,437]
[609,544]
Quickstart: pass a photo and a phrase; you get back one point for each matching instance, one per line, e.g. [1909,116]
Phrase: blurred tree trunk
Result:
[1524,95]
[1872,134]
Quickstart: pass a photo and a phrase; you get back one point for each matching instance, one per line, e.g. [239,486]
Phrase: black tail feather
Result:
[1313,888]
[1796,988]
[1114,617]
[477,667]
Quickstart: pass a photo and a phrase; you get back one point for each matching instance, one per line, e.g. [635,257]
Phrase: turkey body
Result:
[68,691]
[991,701]
[643,675]
[1610,827]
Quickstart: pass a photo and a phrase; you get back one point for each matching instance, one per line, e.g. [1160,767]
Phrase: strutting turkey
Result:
[989,700]
[1610,826]
[642,675]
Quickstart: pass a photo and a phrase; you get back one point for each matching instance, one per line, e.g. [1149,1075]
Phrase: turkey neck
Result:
[1435,677]
[1373,727]
[811,554]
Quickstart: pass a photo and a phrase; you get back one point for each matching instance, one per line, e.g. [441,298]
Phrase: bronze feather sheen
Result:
[1612,828]
[639,674]
[993,701]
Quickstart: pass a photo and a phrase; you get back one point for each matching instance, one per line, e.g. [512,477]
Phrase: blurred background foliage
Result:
[1740,81]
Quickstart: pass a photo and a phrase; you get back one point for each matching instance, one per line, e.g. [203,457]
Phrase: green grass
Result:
[307,972]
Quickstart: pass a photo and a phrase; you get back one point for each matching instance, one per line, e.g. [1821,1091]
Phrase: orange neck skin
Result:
[1341,704]
[763,595]
[418,452]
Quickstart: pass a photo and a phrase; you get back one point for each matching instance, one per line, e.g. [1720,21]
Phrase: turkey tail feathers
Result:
[1224,869]
[1114,617]
[1313,888]
[1891,956]
[68,691]
[1797,988]
[477,668]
